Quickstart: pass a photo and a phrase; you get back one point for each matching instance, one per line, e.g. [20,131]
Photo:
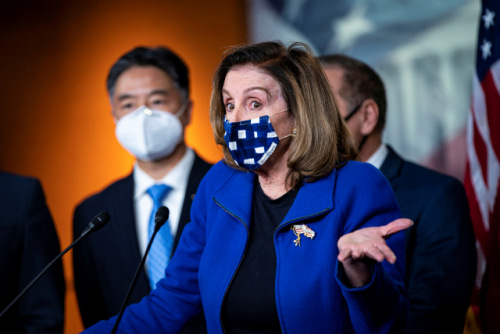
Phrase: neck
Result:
[159,168]
[272,175]
[371,145]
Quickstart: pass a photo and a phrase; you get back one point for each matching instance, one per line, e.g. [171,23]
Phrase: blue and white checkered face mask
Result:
[251,142]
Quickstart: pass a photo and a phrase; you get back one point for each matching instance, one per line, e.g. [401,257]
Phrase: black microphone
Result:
[161,217]
[97,223]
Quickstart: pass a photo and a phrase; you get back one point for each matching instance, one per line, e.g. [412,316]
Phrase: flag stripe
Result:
[492,99]
[476,177]
[475,212]
[481,150]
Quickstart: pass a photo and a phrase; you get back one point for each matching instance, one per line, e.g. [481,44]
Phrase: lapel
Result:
[312,200]
[198,171]
[391,168]
[236,195]
[126,232]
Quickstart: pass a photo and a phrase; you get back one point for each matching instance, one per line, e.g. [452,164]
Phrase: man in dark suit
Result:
[440,249]
[28,242]
[149,94]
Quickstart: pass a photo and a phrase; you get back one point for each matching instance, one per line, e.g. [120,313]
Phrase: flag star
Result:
[488,19]
[486,49]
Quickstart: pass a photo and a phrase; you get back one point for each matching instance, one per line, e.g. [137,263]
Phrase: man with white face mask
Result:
[149,94]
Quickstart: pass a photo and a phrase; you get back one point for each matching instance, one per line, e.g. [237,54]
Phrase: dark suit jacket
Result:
[440,246]
[105,262]
[28,242]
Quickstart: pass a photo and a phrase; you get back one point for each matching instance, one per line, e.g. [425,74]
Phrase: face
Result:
[250,93]
[335,76]
[148,86]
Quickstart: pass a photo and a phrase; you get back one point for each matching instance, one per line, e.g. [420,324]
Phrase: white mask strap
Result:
[294,132]
[182,110]
[279,112]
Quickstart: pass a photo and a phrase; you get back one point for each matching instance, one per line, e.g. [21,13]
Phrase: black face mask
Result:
[355,110]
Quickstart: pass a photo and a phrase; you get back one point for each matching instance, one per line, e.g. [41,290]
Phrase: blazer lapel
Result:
[391,168]
[126,231]
[198,171]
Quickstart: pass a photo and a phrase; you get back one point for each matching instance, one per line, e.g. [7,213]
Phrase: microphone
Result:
[97,223]
[161,217]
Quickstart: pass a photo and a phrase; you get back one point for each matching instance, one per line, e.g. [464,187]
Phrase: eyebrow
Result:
[156,91]
[250,89]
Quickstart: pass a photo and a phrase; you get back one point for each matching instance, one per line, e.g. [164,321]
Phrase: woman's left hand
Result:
[358,248]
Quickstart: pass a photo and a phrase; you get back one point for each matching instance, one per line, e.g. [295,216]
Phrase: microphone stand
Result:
[92,227]
[159,223]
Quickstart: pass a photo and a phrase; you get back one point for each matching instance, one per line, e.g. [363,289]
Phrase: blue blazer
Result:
[441,252]
[311,293]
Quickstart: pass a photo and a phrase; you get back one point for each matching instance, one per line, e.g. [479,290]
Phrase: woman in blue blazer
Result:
[287,233]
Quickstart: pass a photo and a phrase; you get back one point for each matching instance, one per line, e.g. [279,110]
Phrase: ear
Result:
[369,113]
[188,113]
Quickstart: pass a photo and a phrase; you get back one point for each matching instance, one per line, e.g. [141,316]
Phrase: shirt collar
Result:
[378,157]
[180,172]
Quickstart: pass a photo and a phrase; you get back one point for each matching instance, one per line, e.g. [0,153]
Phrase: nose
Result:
[236,115]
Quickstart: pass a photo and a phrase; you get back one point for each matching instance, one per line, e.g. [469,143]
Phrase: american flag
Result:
[482,172]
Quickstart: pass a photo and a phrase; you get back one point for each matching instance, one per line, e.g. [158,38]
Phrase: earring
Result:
[294,132]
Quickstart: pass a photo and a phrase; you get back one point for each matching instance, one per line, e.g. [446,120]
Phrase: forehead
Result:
[241,78]
[143,78]
[335,76]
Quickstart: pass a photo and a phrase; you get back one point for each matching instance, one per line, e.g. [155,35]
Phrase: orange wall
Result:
[55,120]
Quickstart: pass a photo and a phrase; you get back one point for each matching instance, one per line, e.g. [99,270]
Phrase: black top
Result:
[250,303]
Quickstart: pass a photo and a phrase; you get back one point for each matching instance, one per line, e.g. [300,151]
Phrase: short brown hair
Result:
[360,83]
[323,141]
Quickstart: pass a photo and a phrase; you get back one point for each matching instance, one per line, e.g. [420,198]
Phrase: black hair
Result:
[360,82]
[159,57]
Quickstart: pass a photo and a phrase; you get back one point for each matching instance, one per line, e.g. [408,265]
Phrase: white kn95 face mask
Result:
[150,134]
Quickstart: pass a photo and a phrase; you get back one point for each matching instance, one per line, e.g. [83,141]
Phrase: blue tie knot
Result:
[158,192]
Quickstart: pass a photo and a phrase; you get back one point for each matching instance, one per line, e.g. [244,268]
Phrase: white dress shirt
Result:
[177,179]
[378,157]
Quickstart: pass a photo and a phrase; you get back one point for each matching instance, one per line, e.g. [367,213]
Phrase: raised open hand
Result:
[367,243]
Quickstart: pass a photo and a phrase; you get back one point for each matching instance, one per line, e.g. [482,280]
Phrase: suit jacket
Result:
[440,246]
[28,242]
[105,262]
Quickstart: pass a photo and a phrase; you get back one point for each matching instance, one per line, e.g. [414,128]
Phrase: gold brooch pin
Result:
[302,229]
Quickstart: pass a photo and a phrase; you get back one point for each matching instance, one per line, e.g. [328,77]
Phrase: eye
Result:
[229,107]
[158,102]
[256,105]
[127,106]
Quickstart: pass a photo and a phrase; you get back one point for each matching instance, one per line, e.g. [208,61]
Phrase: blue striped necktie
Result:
[159,254]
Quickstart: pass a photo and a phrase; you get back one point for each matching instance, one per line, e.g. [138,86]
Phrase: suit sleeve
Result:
[381,306]
[440,289]
[88,291]
[176,298]
[41,310]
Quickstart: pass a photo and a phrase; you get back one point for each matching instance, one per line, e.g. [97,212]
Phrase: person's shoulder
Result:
[422,177]
[219,173]
[201,163]
[109,192]
[356,172]
[9,180]
[362,180]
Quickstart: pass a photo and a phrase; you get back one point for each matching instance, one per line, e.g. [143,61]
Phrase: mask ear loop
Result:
[294,131]
[293,134]
[182,110]
[279,112]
